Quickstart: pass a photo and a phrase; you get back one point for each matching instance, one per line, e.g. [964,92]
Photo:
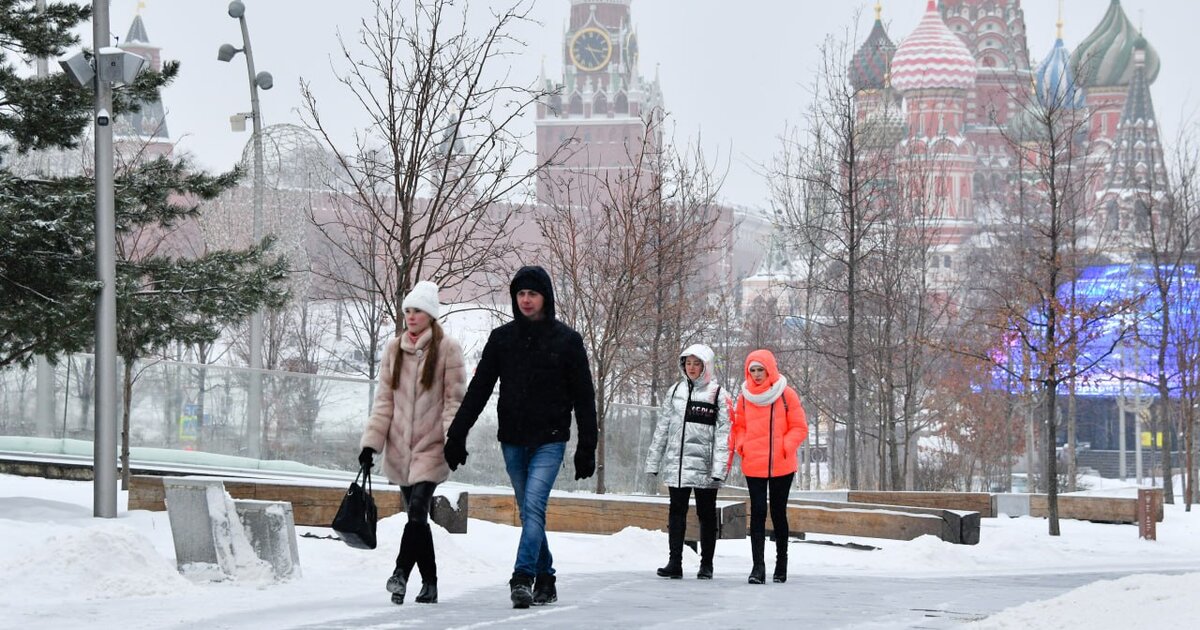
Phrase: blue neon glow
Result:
[1133,361]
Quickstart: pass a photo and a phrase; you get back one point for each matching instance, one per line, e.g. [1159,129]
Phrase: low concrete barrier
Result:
[271,530]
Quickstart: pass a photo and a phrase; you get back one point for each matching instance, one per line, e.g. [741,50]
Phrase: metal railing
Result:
[195,414]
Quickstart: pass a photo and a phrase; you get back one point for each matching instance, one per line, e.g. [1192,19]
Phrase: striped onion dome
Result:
[932,57]
[869,66]
[1056,87]
[1105,58]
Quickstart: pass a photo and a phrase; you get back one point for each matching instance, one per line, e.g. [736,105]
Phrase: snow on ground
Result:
[60,567]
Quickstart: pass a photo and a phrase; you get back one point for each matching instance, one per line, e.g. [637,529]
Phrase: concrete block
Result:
[451,517]
[271,530]
[1011,504]
[210,542]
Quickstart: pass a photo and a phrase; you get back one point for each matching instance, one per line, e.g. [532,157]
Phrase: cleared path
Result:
[626,600]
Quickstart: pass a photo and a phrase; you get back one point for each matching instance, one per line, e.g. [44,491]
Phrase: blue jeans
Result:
[532,470]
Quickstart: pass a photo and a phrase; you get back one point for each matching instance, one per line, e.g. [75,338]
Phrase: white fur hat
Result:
[423,297]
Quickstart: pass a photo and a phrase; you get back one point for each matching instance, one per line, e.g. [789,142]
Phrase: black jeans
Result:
[778,488]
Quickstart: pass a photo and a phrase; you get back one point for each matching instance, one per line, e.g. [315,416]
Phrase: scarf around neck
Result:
[768,396]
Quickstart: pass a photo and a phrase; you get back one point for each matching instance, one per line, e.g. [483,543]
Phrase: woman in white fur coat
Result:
[422,380]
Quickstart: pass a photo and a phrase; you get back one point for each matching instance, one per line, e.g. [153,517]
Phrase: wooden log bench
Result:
[313,504]
[1097,509]
[608,515]
[883,521]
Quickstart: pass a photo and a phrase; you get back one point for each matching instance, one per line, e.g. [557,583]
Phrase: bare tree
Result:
[431,185]
[836,172]
[624,243]
[1050,233]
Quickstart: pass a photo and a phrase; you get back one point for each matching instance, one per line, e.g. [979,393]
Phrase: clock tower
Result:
[593,124]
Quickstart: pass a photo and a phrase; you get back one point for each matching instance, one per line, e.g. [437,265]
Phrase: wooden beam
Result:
[1089,508]
[314,506]
[980,502]
[955,526]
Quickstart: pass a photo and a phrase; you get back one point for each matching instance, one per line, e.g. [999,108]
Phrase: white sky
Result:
[733,73]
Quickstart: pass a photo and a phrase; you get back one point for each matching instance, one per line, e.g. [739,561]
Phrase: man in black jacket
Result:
[543,371]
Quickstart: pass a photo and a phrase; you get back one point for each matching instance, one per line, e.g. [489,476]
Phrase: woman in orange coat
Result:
[768,428]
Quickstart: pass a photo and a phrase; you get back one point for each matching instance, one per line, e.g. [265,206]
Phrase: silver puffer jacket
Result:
[691,454]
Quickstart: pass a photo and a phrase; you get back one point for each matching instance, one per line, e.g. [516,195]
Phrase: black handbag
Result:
[356,517]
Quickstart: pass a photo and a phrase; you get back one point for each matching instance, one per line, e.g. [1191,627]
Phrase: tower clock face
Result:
[591,49]
[631,51]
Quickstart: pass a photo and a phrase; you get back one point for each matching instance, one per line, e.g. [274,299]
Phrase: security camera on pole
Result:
[109,66]
[261,80]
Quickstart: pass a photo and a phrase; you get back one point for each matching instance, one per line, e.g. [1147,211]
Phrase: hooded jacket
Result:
[767,433]
[543,371]
[690,453]
[408,424]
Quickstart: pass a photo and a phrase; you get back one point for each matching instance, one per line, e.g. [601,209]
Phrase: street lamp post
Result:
[104,443]
[263,80]
[108,65]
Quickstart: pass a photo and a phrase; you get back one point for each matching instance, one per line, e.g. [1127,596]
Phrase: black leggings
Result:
[417,499]
[706,508]
[778,488]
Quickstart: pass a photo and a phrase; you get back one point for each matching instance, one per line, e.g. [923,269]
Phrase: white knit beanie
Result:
[423,297]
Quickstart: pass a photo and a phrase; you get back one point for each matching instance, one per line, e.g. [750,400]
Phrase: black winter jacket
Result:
[543,371]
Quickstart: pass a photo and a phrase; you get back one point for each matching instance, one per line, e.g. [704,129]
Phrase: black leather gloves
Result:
[367,457]
[455,453]
[585,463]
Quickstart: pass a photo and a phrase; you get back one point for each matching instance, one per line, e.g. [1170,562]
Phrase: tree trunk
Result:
[1070,450]
[127,395]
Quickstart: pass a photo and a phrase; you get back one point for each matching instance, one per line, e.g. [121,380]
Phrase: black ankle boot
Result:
[520,590]
[705,572]
[428,594]
[544,591]
[397,585]
[758,572]
[673,570]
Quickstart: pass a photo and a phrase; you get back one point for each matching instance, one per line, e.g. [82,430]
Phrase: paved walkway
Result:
[626,600]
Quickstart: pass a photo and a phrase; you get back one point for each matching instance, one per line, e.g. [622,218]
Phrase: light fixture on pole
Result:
[107,67]
[264,81]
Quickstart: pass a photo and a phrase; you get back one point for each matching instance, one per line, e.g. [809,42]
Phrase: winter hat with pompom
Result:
[423,297]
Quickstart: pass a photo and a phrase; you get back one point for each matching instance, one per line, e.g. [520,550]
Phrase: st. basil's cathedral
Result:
[962,88]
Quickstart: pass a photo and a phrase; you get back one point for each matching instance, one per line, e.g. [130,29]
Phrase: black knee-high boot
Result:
[427,565]
[397,585]
[758,572]
[708,546]
[781,554]
[675,531]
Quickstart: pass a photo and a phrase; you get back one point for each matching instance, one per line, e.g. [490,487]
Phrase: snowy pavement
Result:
[640,600]
[61,568]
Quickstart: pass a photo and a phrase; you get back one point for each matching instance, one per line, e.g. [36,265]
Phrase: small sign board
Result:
[1147,512]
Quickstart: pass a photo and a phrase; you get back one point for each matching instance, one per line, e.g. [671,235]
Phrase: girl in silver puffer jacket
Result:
[690,451]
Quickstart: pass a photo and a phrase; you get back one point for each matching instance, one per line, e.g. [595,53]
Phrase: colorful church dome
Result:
[870,65]
[932,57]
[1105,58]
[1055,82]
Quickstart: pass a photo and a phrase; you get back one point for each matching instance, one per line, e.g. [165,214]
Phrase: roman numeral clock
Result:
[591,49]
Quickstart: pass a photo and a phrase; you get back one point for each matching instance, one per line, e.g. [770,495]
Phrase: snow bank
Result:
[1137,601]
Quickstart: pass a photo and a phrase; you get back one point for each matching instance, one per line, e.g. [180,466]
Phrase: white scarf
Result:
[768,397]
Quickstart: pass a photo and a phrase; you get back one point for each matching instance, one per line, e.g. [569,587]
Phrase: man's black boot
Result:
[544,591]
[520,589]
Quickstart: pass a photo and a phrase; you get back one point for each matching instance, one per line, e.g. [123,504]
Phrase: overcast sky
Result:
[734,73]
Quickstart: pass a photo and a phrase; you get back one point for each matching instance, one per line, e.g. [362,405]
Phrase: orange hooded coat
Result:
[767,436]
